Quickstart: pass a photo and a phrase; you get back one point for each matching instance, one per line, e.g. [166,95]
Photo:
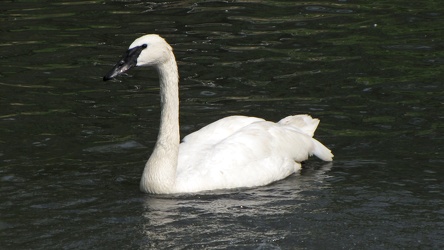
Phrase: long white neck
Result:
[159,174]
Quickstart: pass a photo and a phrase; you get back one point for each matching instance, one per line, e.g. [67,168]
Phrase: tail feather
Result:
[321,151]
[306,124]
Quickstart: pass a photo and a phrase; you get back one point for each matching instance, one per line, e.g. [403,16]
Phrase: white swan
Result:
[233,152]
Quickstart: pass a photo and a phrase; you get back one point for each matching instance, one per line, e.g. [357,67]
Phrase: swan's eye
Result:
[144,46]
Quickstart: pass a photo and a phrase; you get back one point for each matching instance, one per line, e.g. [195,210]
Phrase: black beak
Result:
[129,60]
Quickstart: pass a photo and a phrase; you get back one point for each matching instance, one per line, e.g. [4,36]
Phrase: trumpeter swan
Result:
[233,152]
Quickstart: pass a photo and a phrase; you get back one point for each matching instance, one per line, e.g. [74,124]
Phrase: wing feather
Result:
[227,152]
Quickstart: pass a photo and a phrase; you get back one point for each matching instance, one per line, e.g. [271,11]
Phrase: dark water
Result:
[72,148]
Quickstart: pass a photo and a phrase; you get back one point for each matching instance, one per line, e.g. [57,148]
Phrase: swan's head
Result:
[148,50]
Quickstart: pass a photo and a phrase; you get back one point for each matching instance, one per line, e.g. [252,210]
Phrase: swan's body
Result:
[233,152]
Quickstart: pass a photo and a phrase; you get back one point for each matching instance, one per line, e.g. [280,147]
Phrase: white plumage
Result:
[233,152]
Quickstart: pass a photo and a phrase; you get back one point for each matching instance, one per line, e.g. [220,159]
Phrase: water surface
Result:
[72,148]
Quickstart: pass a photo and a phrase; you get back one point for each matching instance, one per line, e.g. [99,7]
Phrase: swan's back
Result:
[241,151]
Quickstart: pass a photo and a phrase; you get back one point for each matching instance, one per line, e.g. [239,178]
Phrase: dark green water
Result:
[72,148]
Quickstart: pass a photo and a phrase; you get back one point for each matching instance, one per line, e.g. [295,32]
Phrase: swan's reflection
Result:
[232,216]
